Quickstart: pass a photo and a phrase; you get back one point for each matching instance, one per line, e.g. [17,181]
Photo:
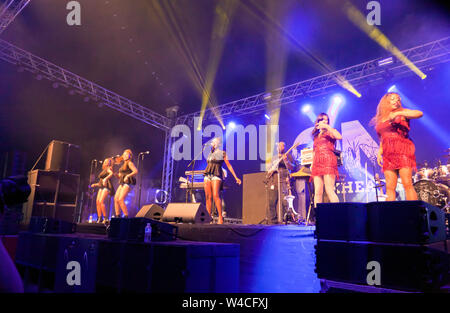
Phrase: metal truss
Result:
[167,175]
[9,10]
[44,69]
[370,72]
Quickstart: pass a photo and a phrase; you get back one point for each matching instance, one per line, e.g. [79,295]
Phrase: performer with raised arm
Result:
[127,179]
[277,184]
[213,181]
[324,168]
[105,188]
[397,151]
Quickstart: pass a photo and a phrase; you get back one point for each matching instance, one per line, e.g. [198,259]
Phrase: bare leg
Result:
[329,181]
[104,195]
[208,195]
[216,195]
[123,195]
[406,177]
[391,183]
[99,205]
[116,201]
[318,190]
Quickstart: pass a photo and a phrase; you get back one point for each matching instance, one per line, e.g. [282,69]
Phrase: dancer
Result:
[397,152]
[105,188]
[213,181]
[127,179]
[324,169]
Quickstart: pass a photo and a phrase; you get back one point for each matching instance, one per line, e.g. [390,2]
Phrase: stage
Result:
[273,258]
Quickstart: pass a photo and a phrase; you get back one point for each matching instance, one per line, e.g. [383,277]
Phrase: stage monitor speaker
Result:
[63,157]
[254,198]
[195,213]
[342,221]
[415,222]
[153,211]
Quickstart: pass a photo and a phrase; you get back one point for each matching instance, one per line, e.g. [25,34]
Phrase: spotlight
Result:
[267,117]
[231,125]
[337,100]
[392,88]
[306,108]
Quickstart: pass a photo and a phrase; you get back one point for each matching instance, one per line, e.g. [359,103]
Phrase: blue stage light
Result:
[231,125]
[267,117]
[392,88]
[337,99]
[306,108]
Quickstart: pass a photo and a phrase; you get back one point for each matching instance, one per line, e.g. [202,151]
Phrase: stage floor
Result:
[273,258]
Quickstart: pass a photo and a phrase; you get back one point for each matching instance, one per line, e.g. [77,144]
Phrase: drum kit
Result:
[433,184]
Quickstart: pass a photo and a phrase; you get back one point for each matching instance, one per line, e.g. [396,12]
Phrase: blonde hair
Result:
[130,152]
[383,109]
[108,162]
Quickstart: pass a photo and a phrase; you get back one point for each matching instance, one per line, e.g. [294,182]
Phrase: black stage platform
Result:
[275,258]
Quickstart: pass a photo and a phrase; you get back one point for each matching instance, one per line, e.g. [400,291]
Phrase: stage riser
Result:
[414,222]
[402,267]
[274,259]
[120,266]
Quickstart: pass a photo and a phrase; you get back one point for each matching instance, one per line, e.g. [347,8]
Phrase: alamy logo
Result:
[374,276]
[74,16]
[73,278]
[374,16]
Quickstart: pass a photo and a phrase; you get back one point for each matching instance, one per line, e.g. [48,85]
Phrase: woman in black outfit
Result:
[127,179]
[105,188]
[214,177]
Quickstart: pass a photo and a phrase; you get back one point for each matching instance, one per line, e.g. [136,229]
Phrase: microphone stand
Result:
[94,161]
[141,154]
[190,189]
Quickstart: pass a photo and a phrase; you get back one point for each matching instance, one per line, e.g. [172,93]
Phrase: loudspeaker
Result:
[254,198]
[133,229]
[195,213]
[47,225]
[153,211]
[341,221]
[53,195]
[403,267]
[63,157]
[415,222]
[78,256]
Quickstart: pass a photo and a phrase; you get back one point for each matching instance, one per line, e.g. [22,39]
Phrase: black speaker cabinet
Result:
[407,267]
[53,194]
[254,198]
[153,211]
[341,221]
[133,229]
[76,258]
[63,157]
[415,222]
[195,213]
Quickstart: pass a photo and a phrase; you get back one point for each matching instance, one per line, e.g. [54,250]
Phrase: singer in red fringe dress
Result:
[396,155]
[324,167]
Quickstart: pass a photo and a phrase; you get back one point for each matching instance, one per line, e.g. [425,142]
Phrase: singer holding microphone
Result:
[397,151]
[213,181]
[324,169]
[127,179]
